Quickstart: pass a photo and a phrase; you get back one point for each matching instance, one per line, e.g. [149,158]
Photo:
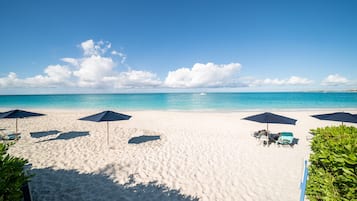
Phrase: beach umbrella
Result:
[16,114]
[271,118]
[337,116]
[106,116]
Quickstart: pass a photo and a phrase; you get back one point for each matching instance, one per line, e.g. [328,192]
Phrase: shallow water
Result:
[185,101]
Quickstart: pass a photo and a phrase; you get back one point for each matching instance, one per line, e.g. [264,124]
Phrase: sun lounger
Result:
[285,138]
[10,136]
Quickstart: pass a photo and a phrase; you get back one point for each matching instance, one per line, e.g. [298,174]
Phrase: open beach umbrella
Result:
[16,114]
[337,116]
[106,116]
[268,117]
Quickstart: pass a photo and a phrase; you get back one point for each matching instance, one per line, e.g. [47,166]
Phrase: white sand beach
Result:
[199,156]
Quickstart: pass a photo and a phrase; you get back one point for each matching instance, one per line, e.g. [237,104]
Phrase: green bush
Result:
[12,176]
[333,164]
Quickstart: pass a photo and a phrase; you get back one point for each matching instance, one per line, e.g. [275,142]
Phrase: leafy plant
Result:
[333,168]
[12,176]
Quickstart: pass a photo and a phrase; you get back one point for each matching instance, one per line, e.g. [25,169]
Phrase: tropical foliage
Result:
[12,176]
[333,168]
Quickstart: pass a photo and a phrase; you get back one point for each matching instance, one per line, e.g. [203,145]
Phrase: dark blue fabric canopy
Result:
[15,114]
[106,116]
[19,114]
[337,116]
[268,117]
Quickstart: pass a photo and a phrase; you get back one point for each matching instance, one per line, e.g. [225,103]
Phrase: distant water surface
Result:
[184,101]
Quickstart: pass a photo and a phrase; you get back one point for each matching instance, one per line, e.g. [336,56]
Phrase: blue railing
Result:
[303,182]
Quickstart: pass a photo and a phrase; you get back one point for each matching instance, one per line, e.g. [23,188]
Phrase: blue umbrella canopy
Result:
[337,116]
[15,114]
[106,116]
[19,114]
[272,118]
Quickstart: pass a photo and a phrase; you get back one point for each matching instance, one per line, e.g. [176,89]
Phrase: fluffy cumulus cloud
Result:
[293,80]
[334,80]
[91,70]
[58,73]
[97,68]
[101,66]
[203,75]
[55,75]
[10,80]
[71,61]
[95,48]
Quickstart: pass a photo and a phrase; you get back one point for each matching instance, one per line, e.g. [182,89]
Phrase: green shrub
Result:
[333,164]
[12,176]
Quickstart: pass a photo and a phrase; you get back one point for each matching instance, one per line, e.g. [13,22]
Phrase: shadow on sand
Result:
[50,184]
[44,133]
[143,138]
[68,135]
[295,141]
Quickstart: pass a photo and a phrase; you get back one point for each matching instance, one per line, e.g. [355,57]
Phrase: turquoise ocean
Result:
[185,101]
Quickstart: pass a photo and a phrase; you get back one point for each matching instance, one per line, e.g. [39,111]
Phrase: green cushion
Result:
[287,134]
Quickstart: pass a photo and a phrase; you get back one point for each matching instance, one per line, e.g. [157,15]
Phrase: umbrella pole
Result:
[16,125]
[267,127]
[107,132]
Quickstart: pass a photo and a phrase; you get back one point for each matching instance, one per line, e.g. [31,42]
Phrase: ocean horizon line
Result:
[183,92]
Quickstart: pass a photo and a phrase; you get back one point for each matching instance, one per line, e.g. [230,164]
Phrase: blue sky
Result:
[144,46]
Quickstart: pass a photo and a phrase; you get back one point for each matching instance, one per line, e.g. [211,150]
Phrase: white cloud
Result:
[133,79]
[120,54]
[102,67]
[90,47]
[293,80]
[71,61]
[334,80]
[58,73]
[10,81]
[93,69]
[203,75]
[55,75]
[97,70]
